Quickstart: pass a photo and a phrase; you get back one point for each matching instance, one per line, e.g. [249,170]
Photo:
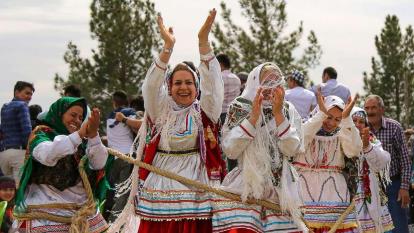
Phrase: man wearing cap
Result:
[303,100]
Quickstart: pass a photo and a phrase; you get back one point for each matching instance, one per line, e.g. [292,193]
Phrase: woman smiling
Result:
[51,173]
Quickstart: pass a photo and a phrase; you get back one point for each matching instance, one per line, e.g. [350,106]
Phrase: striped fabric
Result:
[365,222]
[229,215]
[97,224]
[159,205]
[325,214]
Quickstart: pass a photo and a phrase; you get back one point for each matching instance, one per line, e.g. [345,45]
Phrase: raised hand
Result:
[167,34]
[365,137]
[206,28]
[321,101]
[93,123]
[256,107]
[349,105]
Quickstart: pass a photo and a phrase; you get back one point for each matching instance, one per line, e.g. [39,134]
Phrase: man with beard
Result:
[391,135]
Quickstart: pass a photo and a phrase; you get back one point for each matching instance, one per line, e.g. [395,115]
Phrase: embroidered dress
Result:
[373,176]
[323,186]
[163,204]
[371,200]
[51,176]
[263,170]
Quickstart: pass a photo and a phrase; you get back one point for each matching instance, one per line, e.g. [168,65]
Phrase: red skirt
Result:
[182,226]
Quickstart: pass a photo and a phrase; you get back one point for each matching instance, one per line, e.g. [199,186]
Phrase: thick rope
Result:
[184,180]
[232,196]
[79,221]
[196,184]
[342,217]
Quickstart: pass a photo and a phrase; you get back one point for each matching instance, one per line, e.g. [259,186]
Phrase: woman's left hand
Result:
[93,123]
[365,137]
[206,28]
[349,105]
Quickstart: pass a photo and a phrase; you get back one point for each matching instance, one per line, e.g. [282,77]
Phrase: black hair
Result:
[224,60]
[331,72]
[20,85]
[72,91]
[34,110]
[120,98]
[137,103]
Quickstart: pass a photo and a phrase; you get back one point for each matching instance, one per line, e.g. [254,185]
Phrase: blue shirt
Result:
[15,124]
[126,111]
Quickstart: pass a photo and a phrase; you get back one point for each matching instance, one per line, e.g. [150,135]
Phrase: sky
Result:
[34,35]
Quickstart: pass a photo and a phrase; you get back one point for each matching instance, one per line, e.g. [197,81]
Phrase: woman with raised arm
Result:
[59,150]
[373,176]
[329,135]
[179,134]
[263,132]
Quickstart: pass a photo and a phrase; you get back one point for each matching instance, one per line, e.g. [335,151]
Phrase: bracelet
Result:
[124,120]
[203,45]
[167,50]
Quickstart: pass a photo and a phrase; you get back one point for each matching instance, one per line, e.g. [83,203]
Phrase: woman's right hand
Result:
[166,34]
[256,107]
[321,101]
[93,123]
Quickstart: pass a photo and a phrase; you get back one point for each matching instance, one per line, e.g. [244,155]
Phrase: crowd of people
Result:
[326,164]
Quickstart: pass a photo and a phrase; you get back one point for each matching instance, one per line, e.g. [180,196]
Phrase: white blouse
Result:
[48,153]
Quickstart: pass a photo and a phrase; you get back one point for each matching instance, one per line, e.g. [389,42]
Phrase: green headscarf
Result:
[53,119]
[58,108]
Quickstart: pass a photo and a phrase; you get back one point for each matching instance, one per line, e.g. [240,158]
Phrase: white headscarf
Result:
[330,102]
[334,101]
[253,80]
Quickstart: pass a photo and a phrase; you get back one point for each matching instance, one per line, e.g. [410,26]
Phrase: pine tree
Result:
[127,37]
[265,40]
[393,72]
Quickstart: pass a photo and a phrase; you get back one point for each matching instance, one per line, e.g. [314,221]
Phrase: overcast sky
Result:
[34,35]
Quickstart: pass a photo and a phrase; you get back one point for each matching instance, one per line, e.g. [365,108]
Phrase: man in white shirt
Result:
[231,83]
[232,87]
[303,100]
[330,85]
[120,137]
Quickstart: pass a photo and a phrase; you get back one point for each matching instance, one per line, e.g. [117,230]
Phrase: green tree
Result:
[127,36]
[393,71]
[265,40]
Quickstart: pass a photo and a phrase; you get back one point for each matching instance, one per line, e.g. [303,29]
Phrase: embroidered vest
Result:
[216,167]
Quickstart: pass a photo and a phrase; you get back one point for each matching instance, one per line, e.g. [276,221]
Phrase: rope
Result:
[184,180]
[79,221]
[232,196]
[342,217]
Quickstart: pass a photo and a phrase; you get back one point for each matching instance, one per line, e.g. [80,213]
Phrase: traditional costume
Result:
[324,188]
[373,176]
[51,175]
[264,171]
[182,140]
